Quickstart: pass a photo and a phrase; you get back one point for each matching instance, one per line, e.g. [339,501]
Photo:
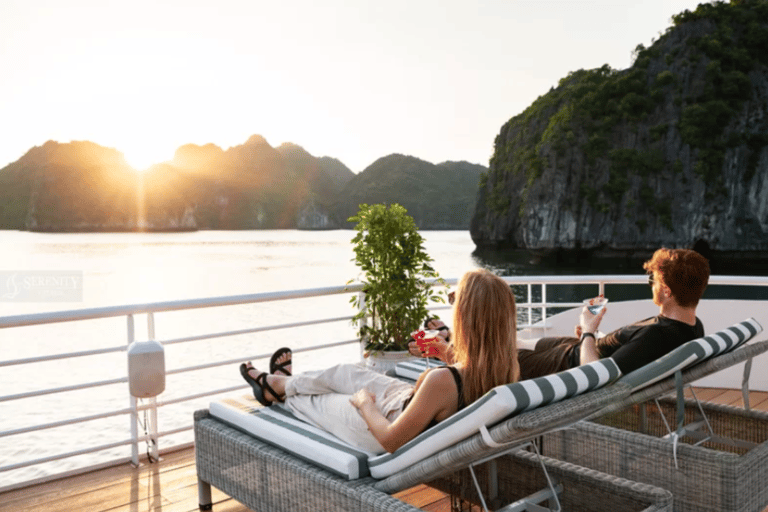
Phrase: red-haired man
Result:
[678,278]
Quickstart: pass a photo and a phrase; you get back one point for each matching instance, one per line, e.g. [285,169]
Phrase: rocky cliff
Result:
[671,152]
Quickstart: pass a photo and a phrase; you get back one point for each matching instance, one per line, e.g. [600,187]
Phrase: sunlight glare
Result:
[141,157]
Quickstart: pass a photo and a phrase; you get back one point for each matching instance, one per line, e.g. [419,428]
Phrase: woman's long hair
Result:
[485,333]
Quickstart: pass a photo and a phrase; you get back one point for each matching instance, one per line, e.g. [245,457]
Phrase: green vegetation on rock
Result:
[607,145]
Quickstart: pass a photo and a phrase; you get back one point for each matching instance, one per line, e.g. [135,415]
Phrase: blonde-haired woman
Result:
[378,413]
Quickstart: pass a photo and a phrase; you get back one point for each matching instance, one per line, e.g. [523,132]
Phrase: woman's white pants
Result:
[321,398]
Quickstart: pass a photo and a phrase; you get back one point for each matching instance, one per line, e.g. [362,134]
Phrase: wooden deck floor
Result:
[171,485]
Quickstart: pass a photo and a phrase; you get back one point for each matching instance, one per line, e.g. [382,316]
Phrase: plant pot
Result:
[382,362]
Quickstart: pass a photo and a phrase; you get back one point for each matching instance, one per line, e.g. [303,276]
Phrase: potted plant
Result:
[394,268]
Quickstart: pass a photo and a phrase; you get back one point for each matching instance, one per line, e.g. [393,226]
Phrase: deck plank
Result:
[171,484]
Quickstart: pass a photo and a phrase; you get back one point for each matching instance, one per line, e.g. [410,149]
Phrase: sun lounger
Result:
[271,461]
[712,458]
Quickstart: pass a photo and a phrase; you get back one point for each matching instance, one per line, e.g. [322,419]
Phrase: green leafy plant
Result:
[394,268]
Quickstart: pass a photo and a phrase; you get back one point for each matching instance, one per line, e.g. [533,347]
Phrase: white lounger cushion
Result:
[693,352]
[278,427]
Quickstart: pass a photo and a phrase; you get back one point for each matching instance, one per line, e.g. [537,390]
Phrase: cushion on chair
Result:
[499,403]
[278,427]
[693,352]
[733,337]
[413,368]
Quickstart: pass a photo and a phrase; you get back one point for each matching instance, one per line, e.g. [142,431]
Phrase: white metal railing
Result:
[532,311]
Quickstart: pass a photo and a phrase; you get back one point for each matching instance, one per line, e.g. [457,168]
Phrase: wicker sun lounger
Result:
[711,457]
[250,468]
[266,477]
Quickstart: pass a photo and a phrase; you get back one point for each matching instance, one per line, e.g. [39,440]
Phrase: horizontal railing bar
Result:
[133,309]
[123,348]
[32,394]
[64,423]
[54,357]
[253,330]
[155,307]
[260,356]
[627,279]
[76,387]
[93,449]
[127,410]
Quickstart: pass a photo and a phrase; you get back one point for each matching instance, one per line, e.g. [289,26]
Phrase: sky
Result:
[352,79]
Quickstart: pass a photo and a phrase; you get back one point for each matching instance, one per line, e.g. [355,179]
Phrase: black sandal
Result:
[275,367]
[259,384]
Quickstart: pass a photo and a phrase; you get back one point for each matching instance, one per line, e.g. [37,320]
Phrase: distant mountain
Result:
[82,186]
[438,196]
[670,152]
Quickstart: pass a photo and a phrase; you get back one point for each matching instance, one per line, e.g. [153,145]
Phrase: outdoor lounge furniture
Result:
[265,477]
[711,457]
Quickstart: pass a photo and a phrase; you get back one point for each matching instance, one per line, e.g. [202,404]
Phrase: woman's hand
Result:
[437,347]
[362,398]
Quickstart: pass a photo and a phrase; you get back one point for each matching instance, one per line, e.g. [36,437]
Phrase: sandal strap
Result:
[261,380]
[281,367]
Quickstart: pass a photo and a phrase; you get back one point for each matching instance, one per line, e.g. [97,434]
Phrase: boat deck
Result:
[171,485]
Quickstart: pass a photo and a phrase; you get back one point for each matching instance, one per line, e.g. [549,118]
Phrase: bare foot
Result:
[280,363]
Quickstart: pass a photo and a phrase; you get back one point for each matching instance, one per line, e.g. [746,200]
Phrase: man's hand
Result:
[589,322]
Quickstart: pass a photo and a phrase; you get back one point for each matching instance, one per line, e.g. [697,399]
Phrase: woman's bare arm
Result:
[435,396]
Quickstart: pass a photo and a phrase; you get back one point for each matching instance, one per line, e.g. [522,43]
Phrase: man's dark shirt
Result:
[643,342]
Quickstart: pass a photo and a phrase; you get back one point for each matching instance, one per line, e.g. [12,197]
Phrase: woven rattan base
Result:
[268,479]
[709,477]
[520,475]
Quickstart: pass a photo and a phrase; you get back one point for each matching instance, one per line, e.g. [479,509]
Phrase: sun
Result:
[141,157]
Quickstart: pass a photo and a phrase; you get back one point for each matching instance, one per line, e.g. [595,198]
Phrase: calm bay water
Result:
[130,268]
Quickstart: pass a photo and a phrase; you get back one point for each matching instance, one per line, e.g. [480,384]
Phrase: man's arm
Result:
[589,324]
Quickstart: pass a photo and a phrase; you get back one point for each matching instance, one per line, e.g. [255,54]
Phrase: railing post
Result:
[544,306]
[363,321]
[132,401]
[152,427]
[530,303]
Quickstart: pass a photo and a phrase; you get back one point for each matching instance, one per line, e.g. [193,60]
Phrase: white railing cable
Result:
[253,330]
[157,307]
[63,389]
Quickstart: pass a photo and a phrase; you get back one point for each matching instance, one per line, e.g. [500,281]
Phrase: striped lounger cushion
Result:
[413,368]
[499,403]
[693,352]
[276,426]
